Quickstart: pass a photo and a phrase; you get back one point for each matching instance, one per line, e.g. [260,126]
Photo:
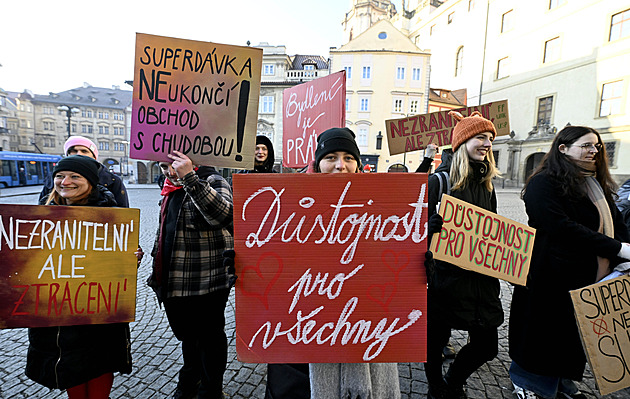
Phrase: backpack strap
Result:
[444,181]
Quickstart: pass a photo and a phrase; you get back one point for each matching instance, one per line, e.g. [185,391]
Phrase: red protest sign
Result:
[309,109]
[330,269]
[67,265]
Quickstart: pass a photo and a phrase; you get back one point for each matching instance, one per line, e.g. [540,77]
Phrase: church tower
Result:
[363,14]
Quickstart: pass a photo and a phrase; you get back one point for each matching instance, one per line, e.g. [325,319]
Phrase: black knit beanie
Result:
[85,166]
[336,139]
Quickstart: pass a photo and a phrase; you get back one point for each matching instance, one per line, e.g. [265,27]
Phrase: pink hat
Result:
[80,140]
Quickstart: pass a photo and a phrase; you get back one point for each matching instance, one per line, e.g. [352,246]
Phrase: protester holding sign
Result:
[81,359]
[189,276]
[580,237]
[337,152]
[458,298]
[79,145]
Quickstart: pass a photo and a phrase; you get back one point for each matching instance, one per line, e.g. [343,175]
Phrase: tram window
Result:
[33,169]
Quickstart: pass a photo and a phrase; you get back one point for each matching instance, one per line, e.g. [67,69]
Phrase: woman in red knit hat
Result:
[458,298]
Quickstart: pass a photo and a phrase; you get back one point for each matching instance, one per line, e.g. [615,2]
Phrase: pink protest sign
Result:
[195,97]
[329,269]
[309,109]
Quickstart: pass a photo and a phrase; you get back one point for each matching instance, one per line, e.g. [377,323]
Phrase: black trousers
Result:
[483,346]
[199,323]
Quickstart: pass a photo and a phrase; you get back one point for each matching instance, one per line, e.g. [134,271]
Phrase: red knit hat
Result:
[469,127]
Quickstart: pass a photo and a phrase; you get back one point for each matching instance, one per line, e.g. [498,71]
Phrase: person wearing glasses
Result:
[580,238]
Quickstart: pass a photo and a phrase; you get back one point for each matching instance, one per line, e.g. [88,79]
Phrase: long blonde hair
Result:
[461,170]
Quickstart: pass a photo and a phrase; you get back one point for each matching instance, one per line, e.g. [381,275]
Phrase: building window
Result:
[367,72]
[398,105]
[90,129]
[459,61]
[611,146]
[347,104]
[413,107]
[450,17]
[103,145]
[84,128]
[74,128]
[101,129]
[620,25]
[49,126]
[266,105]
[365,105]
[545,106]
[506,21]
[502,68]
[309,67]
[348,70]
[362,140]
[416,74]
[471,5]
[268,69]
[552,50]
[400,73]
[612,94]
[555,3]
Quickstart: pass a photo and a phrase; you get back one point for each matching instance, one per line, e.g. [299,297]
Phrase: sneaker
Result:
[523,393]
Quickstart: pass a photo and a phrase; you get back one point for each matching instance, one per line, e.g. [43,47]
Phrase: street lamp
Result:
[69,112]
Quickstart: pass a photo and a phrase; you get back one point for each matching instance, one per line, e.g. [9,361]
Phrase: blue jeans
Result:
[542,385]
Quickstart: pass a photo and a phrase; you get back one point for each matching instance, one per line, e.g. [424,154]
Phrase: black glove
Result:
[228,261]
[435,224]
[429,264]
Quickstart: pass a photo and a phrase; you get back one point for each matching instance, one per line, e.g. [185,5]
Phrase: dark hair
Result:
[568,175]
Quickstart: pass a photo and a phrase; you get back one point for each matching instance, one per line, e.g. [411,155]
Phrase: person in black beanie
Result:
[79,185]
[80,359]
[334,140]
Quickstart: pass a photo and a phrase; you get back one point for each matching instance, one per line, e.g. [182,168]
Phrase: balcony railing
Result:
[303,75]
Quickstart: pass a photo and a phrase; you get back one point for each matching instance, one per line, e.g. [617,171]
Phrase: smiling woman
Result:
[75,178]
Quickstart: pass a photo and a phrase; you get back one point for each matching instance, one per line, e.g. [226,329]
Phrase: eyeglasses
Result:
[589,146]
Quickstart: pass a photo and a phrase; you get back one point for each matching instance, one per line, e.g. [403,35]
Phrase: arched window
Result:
[459,61]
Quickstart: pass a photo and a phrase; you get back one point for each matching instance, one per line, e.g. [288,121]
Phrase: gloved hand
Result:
[435,224]
[429,264]
[228,260]
[624,252]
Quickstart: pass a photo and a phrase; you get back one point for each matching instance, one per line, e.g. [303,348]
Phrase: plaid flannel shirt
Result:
[203,232]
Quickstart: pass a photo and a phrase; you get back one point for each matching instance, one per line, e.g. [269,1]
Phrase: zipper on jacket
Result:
[59,359]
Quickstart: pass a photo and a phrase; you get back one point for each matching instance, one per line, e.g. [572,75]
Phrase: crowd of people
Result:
[581,237]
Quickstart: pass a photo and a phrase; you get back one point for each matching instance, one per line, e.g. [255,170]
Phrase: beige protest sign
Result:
[484,242]
[415,132]
[67,265]
[602,313]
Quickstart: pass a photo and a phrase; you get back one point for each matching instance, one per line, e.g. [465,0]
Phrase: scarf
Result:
[169,187]
[596,195]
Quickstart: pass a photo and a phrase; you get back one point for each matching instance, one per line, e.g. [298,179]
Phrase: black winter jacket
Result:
[461,298]
[66,356]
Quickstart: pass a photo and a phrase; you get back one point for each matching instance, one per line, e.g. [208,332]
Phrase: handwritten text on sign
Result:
[309,109]
[416,132]
[330,269]
[484,242]
[67,265]
[195,97]
[602,311]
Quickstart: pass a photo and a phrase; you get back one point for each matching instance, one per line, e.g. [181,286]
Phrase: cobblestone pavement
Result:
[157,355]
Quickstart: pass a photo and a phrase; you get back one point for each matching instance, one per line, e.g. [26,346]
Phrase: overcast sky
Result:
[51,46]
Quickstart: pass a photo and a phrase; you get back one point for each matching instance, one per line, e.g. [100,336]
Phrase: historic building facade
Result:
[557,62]
[387,77]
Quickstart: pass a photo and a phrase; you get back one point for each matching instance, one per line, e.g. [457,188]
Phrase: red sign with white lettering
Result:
[330,269]
[308,110]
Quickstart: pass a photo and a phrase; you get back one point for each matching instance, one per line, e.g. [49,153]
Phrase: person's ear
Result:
[563,148]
